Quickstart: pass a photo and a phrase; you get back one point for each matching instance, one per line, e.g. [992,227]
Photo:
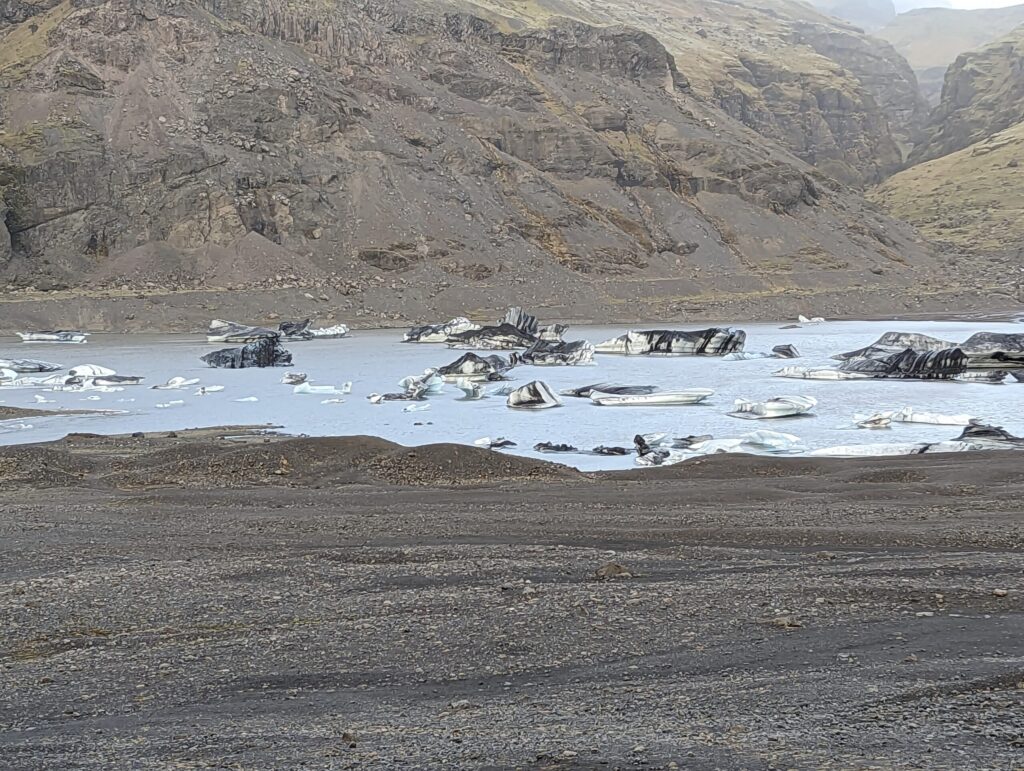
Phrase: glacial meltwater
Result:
[374,362]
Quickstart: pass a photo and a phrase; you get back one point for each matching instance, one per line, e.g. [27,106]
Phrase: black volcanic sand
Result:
[270,603]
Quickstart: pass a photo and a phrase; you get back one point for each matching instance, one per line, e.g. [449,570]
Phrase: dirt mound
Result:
[450,465]
[216,465]
[41,467]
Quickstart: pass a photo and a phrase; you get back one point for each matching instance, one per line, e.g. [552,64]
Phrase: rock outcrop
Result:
[388,159]
[833,96]
[983,95]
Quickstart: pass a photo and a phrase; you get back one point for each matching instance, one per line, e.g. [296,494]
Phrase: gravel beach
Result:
[195,601]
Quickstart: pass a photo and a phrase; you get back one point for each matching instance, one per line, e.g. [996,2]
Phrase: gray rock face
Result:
[5,236]
[400,158]
[983,94]
[885,75]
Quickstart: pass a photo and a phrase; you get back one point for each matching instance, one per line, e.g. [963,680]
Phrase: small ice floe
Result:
[873,422]
[911,415]
[54,336]
[330,333]
[778,352]
[472,391]
[124,401]
[416,407]
[92,398]
[533,396]
[438,333]
[333,401]
[294,378]
[176,384]
[40,399]
[430,383]
[375,398]
[346,387]
[494,444]
[819,373]
[206,390]
[29,366]
[323,390]
[657,399]
[584,392]
[813,320]
[247,399]
[168,405]
[90,370]
[777,407]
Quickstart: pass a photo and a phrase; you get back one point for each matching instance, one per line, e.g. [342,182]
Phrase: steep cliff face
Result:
[932,38]
[836,98]
[983,95]
[883,73]
[966,188]
[390,162]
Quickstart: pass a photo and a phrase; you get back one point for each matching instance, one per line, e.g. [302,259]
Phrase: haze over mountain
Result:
[932,38]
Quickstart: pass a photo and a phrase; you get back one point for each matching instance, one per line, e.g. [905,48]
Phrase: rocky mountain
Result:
[931,39]
[967,189]
[836,98]
[983,95]
[868,14]
[380,161]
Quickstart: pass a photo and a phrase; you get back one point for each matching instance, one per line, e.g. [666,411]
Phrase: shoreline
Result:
[996,317]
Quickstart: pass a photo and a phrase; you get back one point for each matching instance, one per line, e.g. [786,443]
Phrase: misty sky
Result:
[982,3]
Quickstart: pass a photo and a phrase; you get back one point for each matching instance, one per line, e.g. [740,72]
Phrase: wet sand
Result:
[262,602]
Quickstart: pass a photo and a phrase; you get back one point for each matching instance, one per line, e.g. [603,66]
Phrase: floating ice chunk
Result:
[473,391]
[773,441]
[168,405]
[294,378]
[90,370]
[330,333]
[40,399]
[533,396]
[911,415]
[873,422]
[819,373]
[333,401]
[416,408]
[494,444]
[657,399]
[247,399]
[813,320]
[204,390]
[324,390]
[176,384]
[777,407]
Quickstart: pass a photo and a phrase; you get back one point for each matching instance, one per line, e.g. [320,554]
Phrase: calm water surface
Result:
[375,361]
